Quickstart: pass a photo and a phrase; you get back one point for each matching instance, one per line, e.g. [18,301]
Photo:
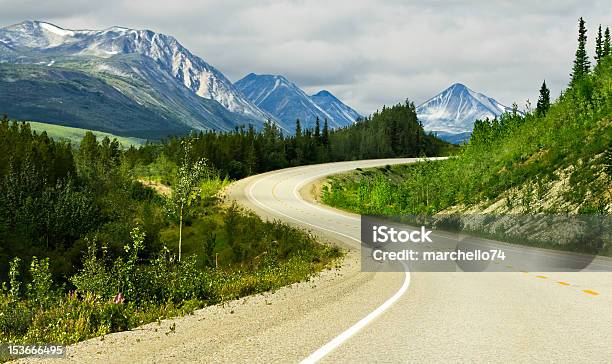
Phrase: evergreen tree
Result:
[325,136]
[543,100]
[297,143]
[317,130]
[89,147]
[598,46]
[89,156]
[581,62]
[250,154]
[606,43]
[298,128]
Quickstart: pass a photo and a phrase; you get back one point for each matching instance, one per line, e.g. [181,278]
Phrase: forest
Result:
[89,246]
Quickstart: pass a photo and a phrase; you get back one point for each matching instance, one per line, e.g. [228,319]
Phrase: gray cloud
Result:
[368,52]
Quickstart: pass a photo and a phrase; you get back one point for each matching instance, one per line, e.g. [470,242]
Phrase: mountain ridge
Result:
[152,69]
[202,78]
[287,102]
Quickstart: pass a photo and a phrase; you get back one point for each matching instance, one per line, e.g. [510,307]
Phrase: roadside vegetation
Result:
[554,159]
[89,240]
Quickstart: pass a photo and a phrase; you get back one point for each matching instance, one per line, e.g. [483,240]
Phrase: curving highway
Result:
[405,317]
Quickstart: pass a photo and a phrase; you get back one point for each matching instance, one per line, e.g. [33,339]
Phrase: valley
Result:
[75,135]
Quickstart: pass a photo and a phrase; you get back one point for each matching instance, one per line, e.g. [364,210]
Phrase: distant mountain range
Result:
[451,113]
[139,83]
[287,102]
[128,82]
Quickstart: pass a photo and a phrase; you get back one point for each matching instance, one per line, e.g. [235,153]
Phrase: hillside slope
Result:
[518,164]
[73,98]
[75,135]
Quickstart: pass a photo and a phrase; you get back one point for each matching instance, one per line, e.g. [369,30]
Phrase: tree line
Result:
[485,131]
[391,132]
[582,64]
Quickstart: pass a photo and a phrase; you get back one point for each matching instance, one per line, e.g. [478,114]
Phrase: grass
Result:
[75,135]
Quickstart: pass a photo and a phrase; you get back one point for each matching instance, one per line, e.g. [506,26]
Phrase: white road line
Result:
[299,198]
[338,340]
[344,336]
[255,200]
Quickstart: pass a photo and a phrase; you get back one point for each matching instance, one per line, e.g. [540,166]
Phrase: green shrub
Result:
[39,290]
[14,293]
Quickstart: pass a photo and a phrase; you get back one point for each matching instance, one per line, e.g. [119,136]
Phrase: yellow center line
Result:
[592,293]
[542,277]
[275,195]
[563,283]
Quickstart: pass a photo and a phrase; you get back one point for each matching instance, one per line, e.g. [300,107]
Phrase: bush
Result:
[39,290]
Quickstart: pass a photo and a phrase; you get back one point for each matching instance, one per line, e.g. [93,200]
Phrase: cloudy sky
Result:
[368,53]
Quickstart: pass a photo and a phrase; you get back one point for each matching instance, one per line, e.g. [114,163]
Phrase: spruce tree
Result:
[317,130]
[297,143]
[325,136]
[298,129]
[251,151]
[598,46]
[89,145]
[606,43]
[581,63]
[543,100]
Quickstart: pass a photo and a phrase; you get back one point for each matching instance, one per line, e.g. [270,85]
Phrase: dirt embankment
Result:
[159,187]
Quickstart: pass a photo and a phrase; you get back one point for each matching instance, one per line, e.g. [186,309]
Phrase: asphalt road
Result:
[511,316]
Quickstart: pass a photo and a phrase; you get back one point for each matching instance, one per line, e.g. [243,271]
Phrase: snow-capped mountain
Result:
[287,102]
[335,108]
[124,55]
[454,110]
